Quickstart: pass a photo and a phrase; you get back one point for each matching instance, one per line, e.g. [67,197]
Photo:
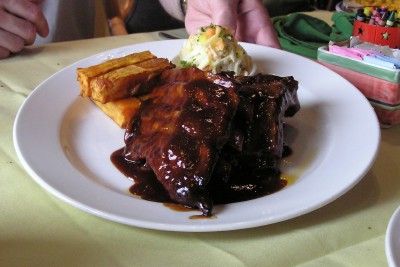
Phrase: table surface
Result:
[38,229]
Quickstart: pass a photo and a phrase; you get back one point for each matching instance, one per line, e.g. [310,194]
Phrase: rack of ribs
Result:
[249,165]
[181,128]
[209,138]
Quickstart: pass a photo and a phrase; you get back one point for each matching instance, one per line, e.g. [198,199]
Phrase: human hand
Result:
[248,18]
[20,21]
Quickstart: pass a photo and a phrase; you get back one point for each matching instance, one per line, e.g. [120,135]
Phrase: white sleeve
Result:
[173,8]
[68,20]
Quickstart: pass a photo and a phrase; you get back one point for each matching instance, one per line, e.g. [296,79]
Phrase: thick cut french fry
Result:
[113,84]
[85,75]
[121,111]
[127,81]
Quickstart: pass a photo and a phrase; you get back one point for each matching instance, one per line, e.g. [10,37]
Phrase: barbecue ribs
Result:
[212,138]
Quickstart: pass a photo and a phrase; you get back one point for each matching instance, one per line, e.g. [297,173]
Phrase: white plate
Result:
[393,240]
[65,143]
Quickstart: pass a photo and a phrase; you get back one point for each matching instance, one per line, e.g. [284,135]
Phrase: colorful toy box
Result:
[380,85]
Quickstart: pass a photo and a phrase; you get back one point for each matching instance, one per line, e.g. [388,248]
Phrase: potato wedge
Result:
[113,84]
[120,111]
[85,75]
[127,81]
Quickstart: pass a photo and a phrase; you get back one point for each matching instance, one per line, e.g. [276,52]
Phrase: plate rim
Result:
[161,226]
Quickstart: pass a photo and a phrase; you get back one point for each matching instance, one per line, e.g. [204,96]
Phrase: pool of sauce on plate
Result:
[181,208]
[147,186]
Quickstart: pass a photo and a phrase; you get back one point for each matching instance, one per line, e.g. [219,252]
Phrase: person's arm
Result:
[20,21]
[174,8]
[115,20]
[248,18]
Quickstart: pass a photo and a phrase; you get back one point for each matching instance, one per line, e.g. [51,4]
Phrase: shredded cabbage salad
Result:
[215,49]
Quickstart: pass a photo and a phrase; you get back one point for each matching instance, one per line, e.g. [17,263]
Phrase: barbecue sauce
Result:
[148,187]
[228,134]
[145,184]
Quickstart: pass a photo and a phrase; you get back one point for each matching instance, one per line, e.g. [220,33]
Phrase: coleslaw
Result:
[215,49]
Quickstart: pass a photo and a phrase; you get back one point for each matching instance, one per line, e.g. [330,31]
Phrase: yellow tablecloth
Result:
[37,229]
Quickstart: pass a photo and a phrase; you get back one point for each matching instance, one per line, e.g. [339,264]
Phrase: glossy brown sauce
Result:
[178,207]
[147,186]
[209,139]
[181,208]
